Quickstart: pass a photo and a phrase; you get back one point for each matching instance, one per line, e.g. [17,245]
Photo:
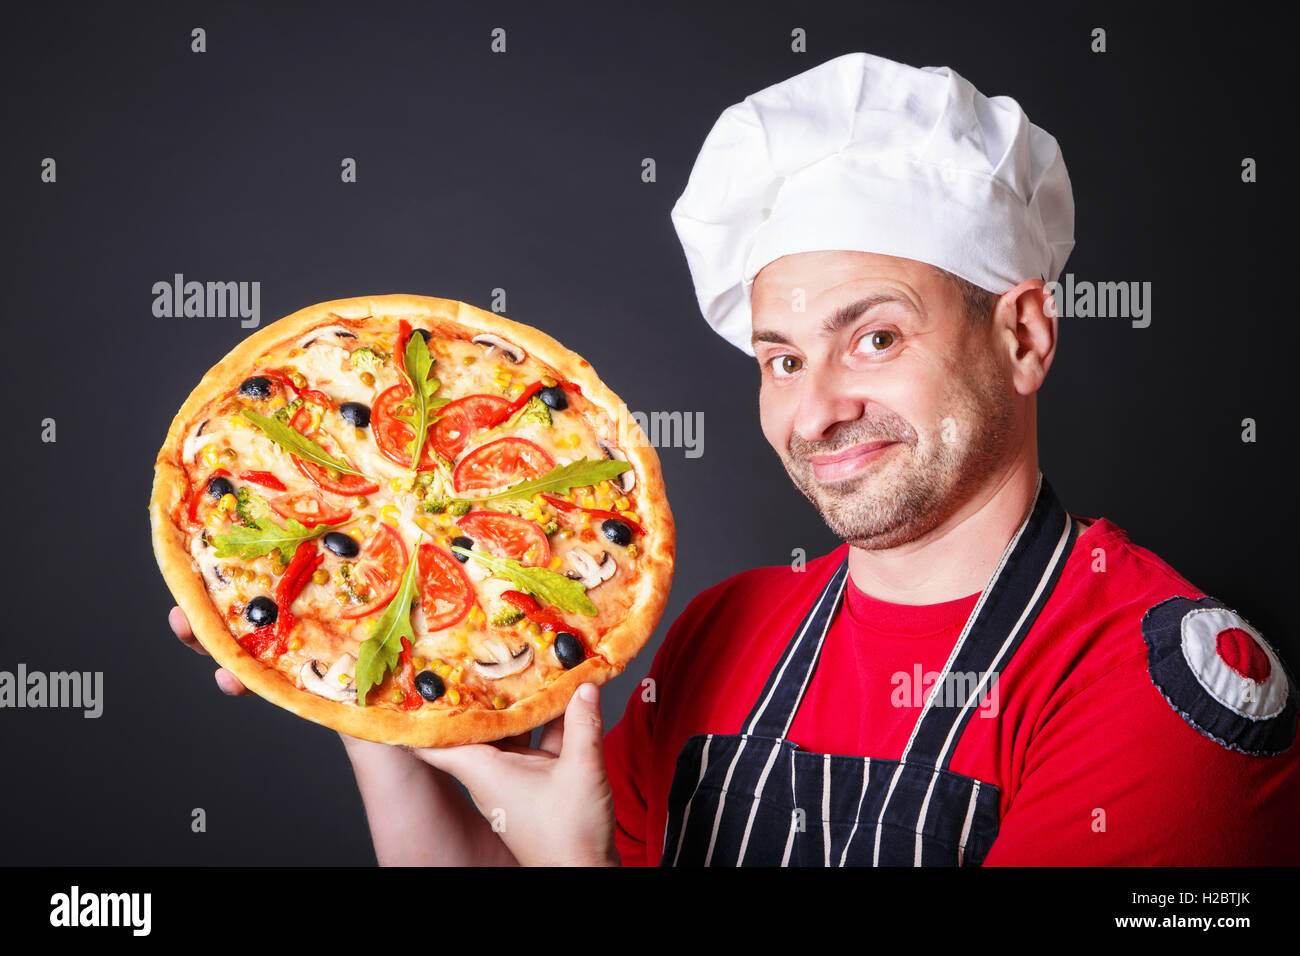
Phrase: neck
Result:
[957,558]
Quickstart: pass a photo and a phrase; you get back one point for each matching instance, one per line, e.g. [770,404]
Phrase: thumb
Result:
[471,764]
[583,727]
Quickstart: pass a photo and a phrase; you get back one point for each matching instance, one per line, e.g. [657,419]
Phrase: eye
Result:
[878,340]
[783,366]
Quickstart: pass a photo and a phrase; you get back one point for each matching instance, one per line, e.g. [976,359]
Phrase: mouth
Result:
[844,464]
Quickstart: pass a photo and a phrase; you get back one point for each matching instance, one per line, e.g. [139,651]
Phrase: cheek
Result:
[774,416]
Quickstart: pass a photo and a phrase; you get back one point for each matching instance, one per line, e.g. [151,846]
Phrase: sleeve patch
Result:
[1220,675]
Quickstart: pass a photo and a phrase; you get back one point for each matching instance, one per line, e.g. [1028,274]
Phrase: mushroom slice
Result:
[327,683]
[511,351]
[627,480]
[590,571]
[493,658]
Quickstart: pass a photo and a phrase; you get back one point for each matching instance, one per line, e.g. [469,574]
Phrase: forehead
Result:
[817,282]
[811,276]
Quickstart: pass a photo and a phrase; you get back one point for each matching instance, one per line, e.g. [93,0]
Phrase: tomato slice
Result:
[392,435]
[508,536]
[500,463]
[460,419]
[379,569]
[310,507]
[446,594]
[344,484]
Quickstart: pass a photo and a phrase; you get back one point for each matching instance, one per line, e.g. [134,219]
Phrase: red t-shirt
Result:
[1093,765]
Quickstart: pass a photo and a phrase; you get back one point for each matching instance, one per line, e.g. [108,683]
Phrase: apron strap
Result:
[1006,610]
[773,713]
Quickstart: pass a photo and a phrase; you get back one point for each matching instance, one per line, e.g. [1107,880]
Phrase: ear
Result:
[1024,322]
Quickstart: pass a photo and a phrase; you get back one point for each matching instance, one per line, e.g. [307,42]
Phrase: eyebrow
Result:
[837,320]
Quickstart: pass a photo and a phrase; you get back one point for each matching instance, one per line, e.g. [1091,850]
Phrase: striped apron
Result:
[756,799]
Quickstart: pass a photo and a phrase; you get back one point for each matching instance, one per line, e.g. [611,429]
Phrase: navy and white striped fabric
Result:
[757,799]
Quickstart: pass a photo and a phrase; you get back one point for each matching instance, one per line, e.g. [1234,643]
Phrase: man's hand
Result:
[552,806]
[180,625]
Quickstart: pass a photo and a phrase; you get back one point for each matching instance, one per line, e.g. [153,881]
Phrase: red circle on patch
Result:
[1243,654]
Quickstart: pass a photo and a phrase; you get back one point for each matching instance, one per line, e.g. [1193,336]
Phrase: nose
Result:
[826,399]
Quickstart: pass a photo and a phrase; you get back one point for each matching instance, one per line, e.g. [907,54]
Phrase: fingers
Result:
[583,727]
[229,683]
[471,764]
[180,626]
[552,736]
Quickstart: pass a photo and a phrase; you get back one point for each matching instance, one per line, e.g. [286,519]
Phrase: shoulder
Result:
[1202,657]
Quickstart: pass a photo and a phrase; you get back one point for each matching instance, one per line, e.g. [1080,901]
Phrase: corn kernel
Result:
[605,488]
[533,628]
[556,562]
[588,501]
[345,679]
[264,581]
[622,503]
[390,514]
[633,550]
[604,502]
[298,379]
[573,440]
[320,576]
[499,702]
[215,519]
[632,515]
[453,695]
[208,456]
[456,673]
[549,382]
[294,644]
[442,670]
[539,501]
[418,663]
[228,502]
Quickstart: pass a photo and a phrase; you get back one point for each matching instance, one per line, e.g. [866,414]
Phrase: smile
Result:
[845,463]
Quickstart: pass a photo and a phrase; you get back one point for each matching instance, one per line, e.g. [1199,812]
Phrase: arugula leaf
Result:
[296,443]
[549,586]
[378,653]
[253,542]
[417,364]
[576,474]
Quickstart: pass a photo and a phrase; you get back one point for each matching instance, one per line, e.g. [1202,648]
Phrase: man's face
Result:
[887,406]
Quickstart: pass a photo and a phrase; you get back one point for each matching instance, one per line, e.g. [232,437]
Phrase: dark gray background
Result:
[522,171]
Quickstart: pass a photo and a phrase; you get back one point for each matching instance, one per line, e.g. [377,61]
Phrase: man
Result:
[975,675]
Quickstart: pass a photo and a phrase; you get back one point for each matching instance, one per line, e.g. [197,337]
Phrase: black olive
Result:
[616,531]
[461,541]
[429,685]
[568,650]
[554,397]
[354,413]
[261,611]
[256,387]
[423,332]
[344,545]
[218,487]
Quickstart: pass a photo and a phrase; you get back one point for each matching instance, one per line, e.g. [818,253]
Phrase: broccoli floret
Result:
[535,411]
[458,508]
[284,414]
[436,507]
[368,360]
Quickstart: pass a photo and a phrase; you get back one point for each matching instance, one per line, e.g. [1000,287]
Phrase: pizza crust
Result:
[426,727]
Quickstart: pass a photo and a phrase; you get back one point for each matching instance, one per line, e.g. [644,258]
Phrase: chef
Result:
[975,675]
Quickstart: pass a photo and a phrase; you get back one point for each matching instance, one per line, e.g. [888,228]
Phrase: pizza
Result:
[411,520]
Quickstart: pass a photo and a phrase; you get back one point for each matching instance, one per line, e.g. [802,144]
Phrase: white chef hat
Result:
[865,154]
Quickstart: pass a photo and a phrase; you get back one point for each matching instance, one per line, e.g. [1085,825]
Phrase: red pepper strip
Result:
[594,512]
[412,700]
[192,509]
[573,387]
[283,380]
[548,618]
[263,478]
[305,562]
[403,333]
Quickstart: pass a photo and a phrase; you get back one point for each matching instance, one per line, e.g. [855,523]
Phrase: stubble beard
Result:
[920,482]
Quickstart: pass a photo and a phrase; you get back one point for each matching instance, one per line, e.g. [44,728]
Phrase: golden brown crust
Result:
[426,727]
